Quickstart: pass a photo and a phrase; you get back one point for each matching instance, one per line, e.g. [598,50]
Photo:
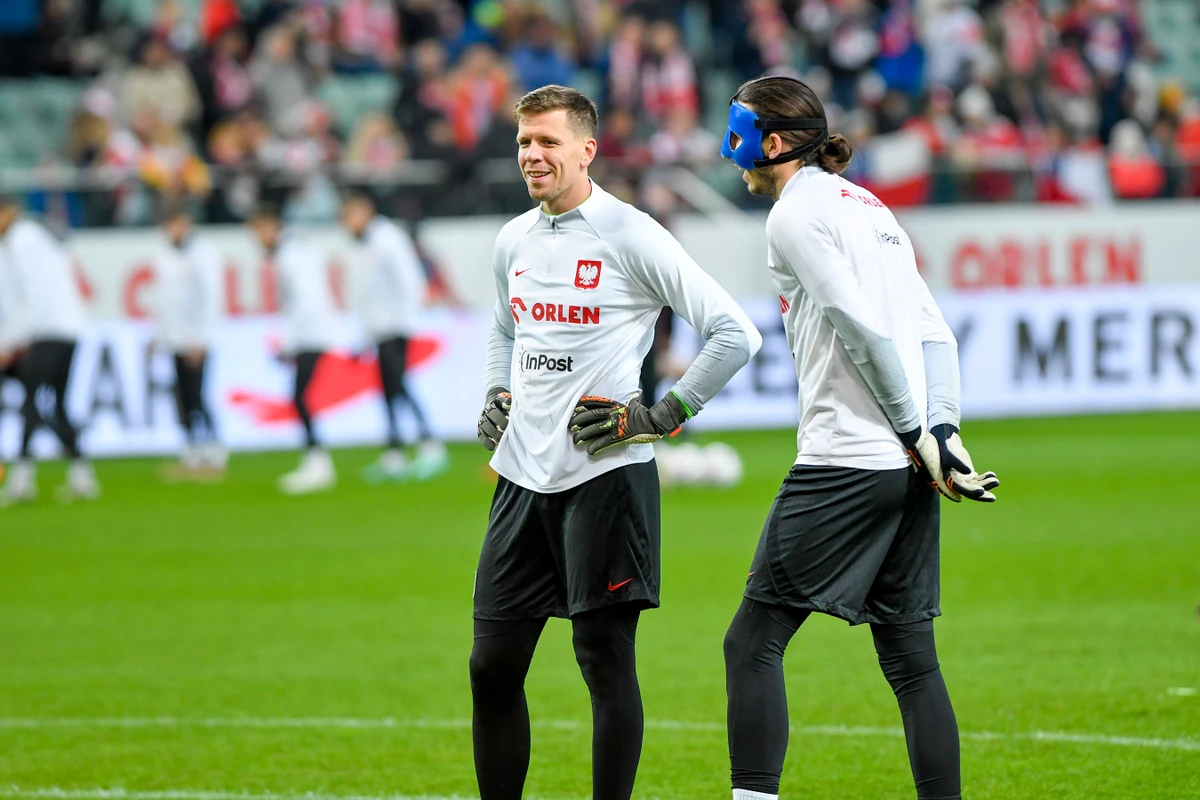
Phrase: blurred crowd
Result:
[945,100]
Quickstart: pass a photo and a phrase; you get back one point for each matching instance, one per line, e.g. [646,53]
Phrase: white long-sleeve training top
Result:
[12,323]
[43,282]
[874,355]
[387,281]
[187,294]
[305,296]
[578,296]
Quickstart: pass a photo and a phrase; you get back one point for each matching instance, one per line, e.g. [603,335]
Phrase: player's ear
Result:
[772,145]
[589,152]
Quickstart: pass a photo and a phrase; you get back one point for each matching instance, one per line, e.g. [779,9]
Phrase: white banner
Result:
[965,247]
[1022,353]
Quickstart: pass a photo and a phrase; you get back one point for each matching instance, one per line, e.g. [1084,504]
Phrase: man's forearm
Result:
[728,348]
[499,358]
[943,383]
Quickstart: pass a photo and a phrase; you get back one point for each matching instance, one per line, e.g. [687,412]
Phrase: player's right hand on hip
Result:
[493,420]
[961,477]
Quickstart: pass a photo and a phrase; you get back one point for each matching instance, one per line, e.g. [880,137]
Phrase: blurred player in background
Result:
[51,308]
[574,526]
[388,292]
[854,531]
[13,339]
[306,303]
[187,306]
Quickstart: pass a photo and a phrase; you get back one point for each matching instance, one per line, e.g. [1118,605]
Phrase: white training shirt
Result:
[387,281]
[187,294]
[12,322]
[578,297]
[857,313]
[43,280]
[305,296]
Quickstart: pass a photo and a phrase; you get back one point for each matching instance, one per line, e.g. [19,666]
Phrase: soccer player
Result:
[574,525]
[854,531]
[187,306]
[388,290]
[53,320]
[306,302]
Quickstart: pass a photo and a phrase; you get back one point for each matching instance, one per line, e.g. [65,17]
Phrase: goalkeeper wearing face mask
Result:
[854,530]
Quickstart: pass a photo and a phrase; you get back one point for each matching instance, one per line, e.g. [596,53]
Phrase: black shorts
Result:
[860,545]
[563,553]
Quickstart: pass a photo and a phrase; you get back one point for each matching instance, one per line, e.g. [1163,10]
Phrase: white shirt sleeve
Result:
[939,349]
[504,330]
[670,276]
[808,247]
[211,278]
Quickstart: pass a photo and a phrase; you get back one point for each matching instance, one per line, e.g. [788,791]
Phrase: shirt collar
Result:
[580,211]
[796,179]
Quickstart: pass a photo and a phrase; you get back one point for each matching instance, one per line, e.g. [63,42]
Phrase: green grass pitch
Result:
[254,623]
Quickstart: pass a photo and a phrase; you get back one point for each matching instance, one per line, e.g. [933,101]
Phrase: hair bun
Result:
[835,154]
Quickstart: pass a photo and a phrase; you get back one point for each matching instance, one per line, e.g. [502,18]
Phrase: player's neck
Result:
[569,200]
[783,174]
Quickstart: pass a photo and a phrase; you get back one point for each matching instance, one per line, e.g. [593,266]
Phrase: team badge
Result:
[587,274]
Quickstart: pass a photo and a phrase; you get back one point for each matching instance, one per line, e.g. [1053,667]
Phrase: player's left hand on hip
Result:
[601,423]
[961,477]
[926,457]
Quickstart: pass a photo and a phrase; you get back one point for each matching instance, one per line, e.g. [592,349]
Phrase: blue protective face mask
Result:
[750,128]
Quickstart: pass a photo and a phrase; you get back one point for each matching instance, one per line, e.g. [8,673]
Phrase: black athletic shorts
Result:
[861,545]
[562,553]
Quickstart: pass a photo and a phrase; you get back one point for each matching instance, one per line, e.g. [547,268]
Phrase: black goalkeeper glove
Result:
[961,477]
[601,423]
[493,420]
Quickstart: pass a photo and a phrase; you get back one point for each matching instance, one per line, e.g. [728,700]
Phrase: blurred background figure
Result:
[186,309]
[388,290]
[49,299]
[310,325]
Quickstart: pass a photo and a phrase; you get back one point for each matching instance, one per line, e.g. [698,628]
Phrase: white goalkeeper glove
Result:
[960,476]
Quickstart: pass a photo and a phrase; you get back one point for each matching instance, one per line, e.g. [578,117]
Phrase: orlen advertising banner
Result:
[965,247]
[1022,353]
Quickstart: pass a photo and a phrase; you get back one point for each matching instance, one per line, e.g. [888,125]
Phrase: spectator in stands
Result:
[901,59]
[625,63]
[170,167]
[161,84]
[423,89]
[953,35]
[476,89]
[280,78]
[1132,170]
[222,77]
[851,48]
[367,36]
[681,140]
[668,74]
[376,146]
[538,59]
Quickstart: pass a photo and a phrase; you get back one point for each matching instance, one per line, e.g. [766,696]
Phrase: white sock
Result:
[746,794]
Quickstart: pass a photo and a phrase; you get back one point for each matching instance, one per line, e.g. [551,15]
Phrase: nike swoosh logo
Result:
[521,272]
[612,587]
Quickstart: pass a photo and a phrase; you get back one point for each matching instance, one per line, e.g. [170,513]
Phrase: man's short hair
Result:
[581,110]
[11,200]
[174,208]
[358,194]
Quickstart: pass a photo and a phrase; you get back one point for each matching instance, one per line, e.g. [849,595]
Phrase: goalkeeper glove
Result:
[926,457]
[493,420]
[961,477]
[601,423]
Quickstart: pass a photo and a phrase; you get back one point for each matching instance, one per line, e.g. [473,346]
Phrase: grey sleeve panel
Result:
[879,364]
[499,357]
[943,383]
[727,348]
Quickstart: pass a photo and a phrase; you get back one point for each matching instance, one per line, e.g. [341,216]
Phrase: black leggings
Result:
[604,648]
[758,717]
[393,362]
[306,365]
[189,397]
[48,363]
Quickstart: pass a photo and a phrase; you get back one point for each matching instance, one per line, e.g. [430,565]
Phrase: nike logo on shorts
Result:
[612,587]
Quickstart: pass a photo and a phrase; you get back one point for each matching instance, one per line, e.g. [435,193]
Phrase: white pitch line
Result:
[10,723]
